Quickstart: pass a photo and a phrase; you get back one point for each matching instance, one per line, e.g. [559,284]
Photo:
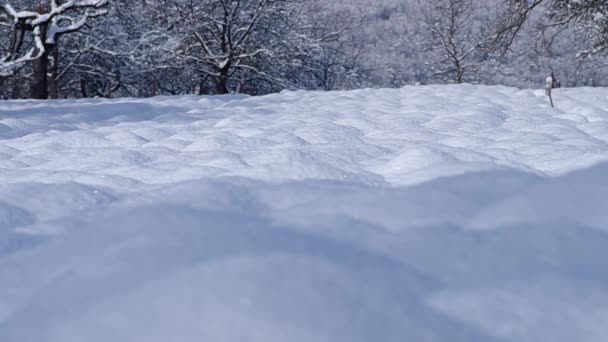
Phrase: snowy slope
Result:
[438,213]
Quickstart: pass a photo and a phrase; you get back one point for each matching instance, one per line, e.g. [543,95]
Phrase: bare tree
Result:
[39,30]
[448,22]
[230,37]
[331,57]
[587,14]
[470,35]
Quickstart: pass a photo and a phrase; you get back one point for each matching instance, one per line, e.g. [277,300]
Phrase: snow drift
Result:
[440,213]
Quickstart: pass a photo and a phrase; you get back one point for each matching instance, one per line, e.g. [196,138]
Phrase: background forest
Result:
[141,48]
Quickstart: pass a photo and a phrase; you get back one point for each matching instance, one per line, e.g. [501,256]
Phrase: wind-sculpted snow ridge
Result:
[439,213]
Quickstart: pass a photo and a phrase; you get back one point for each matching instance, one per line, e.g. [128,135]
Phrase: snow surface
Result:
[437,213]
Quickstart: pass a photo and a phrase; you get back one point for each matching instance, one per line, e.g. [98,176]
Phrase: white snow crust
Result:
[435,213]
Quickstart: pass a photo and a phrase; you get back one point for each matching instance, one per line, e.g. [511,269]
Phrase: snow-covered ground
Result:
[437,213]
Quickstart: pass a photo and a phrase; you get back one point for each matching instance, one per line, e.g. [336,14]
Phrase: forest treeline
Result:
[141,48]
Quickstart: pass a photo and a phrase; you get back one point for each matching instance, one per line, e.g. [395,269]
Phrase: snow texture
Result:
[436,213]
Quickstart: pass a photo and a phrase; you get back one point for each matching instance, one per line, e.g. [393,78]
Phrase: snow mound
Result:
[393,136]
[11,216]
[440,213]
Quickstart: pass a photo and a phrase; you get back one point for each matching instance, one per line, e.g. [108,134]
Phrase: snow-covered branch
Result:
[43,27]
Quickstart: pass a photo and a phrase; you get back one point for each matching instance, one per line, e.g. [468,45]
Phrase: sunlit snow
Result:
[435,213]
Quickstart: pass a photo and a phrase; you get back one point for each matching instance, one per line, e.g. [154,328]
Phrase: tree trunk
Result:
[83,88]
[221,85]
[39,85]
[53,86]
[202,89]
[110,90]
[154,91]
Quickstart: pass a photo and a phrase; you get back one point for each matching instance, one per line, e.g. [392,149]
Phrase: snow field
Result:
[437,213]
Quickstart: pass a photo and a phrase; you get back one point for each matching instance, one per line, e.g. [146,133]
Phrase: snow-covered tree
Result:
[331,56]
[471,35]
[452,32]
[154,47]
[589,14]
[229,41]
[36,31]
